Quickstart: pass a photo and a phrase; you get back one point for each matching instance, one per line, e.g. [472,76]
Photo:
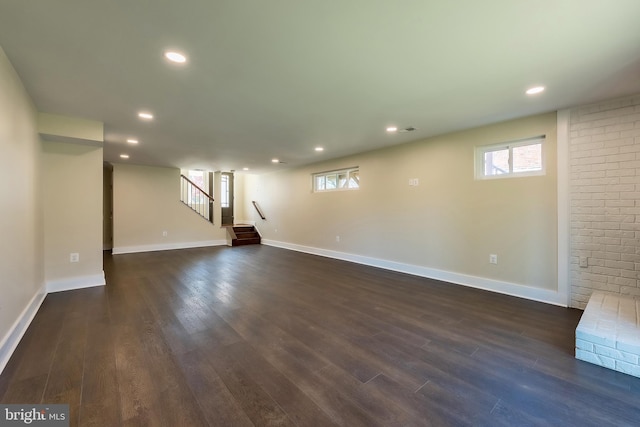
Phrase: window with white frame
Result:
[343,179]
[224,191]
[509,159]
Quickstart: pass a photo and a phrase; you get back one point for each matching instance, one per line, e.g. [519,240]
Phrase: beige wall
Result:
[239,206]
[146,202]
[450,222]
[21,230]
[88,131]
[72,187]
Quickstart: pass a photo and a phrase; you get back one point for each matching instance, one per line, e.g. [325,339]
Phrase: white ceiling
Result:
[276,78]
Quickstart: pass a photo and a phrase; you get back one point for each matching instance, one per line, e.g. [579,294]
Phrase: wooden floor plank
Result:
[422,410]
[216,402]
[331,346]
[100,382]
[256,335]
[299,407]
[66,374]
[259,406]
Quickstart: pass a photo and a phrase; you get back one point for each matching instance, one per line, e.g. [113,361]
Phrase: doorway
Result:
[107,206]
[226,197]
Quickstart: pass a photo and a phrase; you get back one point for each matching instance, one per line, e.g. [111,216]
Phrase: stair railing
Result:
[255,205]
[196,198]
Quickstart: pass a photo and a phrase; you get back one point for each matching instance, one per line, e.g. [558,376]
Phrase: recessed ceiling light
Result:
[392,129]
[145,115]
[535,90]
[176,57]
[319,149]
[275,161]
[245,169]
[132,141]
[124,156]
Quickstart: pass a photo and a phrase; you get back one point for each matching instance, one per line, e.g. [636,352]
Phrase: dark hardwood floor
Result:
[255,335]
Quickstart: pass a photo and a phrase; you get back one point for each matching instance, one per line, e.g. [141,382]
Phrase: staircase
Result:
[196,198]
[244,235]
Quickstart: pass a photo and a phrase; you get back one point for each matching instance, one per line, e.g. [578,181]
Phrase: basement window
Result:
[509,159]
[343,179]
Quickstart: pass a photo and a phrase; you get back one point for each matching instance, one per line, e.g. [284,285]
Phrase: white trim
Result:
[255,224]
[521,291]
[167,246]
[16,332]
[564,288]
[79,282]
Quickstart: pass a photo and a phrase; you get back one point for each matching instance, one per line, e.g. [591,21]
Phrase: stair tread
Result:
[245,235]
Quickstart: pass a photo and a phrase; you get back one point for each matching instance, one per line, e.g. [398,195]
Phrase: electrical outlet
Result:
[165,234]
[337,238]
[74,257]
[493,259]
[584,261]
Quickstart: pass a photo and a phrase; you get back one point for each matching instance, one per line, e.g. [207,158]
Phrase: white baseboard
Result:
[521,291]
[76,283]
[166,246]
[13,337]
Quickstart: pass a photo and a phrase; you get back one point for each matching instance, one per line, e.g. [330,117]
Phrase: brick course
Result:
[604,173]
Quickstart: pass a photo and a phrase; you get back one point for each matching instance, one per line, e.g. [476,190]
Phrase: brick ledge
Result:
[608,334]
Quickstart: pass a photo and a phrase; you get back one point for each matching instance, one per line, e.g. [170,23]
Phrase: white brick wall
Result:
[604,173]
